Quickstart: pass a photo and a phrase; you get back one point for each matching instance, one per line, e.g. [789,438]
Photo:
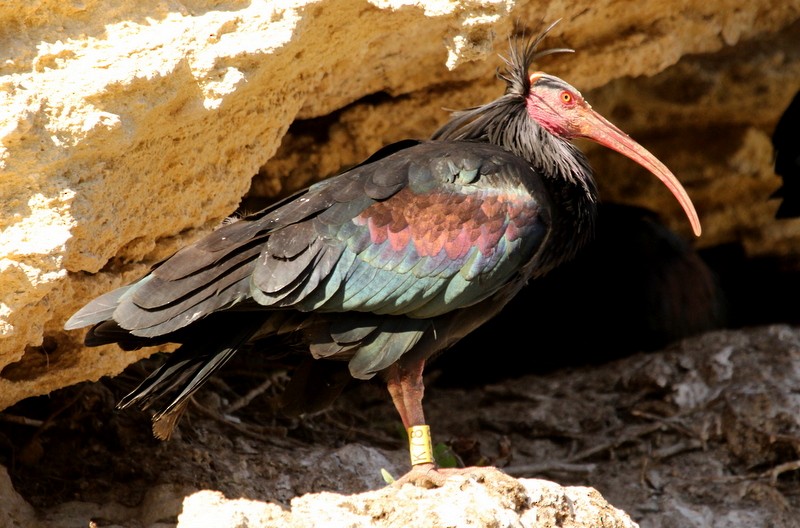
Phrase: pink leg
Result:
[407,389]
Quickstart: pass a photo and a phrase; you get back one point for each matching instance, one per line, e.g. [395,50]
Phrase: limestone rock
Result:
[128,131]
[483,499]
[16,512]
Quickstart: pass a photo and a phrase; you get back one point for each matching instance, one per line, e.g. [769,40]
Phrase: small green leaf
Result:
[387,477]
[444,456]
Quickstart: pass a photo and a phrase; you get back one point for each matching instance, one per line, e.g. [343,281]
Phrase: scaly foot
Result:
[429,476]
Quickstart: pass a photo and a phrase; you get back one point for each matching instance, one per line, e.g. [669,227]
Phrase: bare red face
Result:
[561,110]
[557,106]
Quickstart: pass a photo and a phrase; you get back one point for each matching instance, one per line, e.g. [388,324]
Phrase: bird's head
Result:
[561,110]
[541,102]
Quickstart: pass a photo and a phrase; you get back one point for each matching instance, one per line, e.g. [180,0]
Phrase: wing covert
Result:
[461,227]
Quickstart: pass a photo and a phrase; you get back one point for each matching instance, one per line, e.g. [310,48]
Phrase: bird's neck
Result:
[574,219]
[564,169]
[569,180]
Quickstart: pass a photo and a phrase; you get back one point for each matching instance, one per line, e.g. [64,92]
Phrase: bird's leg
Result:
[407,389]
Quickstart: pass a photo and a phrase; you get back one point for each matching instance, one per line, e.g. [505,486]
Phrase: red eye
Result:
[567,98]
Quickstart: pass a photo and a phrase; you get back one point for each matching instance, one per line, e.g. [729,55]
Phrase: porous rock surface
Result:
[463,501]
[484,499]
[128,130]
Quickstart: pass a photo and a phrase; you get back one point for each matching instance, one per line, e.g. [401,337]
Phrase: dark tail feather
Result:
[109,332]
[97,311]
[185,371]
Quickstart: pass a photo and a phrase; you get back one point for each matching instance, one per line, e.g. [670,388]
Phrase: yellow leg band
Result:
[419,444]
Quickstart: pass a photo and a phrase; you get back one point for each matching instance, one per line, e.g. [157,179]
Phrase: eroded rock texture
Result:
[128,131]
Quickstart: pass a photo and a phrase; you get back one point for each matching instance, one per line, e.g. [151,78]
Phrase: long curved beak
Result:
[599,129]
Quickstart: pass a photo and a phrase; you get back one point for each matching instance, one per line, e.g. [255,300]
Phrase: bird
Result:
[378,269]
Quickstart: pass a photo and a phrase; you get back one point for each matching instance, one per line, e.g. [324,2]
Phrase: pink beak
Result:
[597,128]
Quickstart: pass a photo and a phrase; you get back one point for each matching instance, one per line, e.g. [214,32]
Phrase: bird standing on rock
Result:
[381,267]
